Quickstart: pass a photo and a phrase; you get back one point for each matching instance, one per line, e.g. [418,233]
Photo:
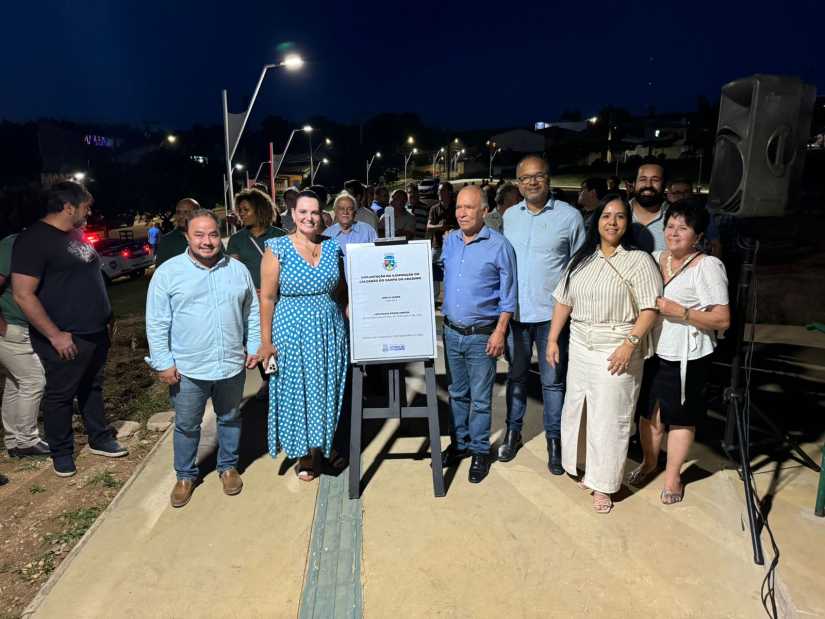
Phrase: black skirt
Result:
[662,384]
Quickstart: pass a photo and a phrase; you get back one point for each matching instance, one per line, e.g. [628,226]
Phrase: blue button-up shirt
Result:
[544,242]
[479,277]
[199,319]
[359,233]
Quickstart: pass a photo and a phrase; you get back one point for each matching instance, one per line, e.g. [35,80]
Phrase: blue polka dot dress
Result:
[309,334]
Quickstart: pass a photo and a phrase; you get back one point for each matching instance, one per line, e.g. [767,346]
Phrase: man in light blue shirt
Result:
[346,230]
[202,324]
[479,299]
[545,233]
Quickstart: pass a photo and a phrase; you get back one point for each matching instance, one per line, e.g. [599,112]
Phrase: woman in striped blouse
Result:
[609,293]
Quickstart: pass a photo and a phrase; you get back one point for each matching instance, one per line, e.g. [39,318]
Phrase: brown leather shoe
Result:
[182,492]
[232,483]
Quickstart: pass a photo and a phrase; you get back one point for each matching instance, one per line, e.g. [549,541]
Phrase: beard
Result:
[648,197]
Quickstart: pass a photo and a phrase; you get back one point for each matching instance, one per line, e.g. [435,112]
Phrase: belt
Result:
[474,330]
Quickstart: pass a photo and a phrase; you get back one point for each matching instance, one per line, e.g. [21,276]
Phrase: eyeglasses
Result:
[540,177]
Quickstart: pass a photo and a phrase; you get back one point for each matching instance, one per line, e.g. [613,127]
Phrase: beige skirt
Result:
[610,401]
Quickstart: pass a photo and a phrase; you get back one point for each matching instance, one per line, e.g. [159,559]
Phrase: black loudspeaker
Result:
[764,125]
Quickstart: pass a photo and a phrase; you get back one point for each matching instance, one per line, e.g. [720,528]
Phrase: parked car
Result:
[119,258]
[428,187]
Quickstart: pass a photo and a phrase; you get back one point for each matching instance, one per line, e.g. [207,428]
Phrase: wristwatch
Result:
[633,339]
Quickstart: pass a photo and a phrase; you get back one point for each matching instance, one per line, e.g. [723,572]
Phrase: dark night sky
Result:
[459,65]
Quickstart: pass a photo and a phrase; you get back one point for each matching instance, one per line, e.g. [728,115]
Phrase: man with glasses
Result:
[544,233]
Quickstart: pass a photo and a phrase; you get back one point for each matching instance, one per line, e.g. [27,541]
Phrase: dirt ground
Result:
[43,516]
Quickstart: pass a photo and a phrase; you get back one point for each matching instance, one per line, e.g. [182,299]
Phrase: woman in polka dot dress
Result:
[306,333]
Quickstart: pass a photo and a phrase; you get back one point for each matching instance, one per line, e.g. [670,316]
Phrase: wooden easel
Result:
[394,410]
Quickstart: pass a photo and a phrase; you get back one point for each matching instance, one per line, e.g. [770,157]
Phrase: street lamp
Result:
[305,128]
[438,153]
[172,138]
[414,151]
[308,130]
[457,154]
[369,165]
[325,161]
[593,120]
[234,124]
[492,157]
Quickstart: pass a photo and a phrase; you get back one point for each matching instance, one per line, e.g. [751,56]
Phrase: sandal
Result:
[581,486]
[640,475]
[337,461]
[669,498]
[304,471]
[602,503]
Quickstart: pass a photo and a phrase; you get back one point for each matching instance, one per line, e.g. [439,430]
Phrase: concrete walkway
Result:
[521,544]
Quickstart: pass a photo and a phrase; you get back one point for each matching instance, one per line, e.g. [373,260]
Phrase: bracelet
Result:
[685,314]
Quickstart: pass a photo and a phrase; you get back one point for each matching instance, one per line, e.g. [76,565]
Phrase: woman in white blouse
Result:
[694,305]
[609,292]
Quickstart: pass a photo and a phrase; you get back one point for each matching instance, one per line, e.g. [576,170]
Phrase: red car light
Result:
[126,253]
[91,238]
[147,249]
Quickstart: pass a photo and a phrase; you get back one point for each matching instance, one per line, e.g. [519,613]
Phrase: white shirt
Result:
[698,288]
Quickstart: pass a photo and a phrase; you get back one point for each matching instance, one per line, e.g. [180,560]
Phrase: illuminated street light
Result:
[292,62]
[593,120]
[493,154]
[414,151]
[328,142]
[232,136]
[439,153]
[79,176]
[324,161]
[239,166]
[369,165]
[171,138]
[306,129]
[411,140]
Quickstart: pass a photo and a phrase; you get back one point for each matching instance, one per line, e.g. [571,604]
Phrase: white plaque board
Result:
[391,309]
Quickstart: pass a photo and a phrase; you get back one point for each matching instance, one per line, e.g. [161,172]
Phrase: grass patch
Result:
[153,399]
[37,489]
[78,522]
[106,479]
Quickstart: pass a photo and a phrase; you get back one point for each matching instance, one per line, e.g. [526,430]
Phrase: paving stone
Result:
[125,429]
[160,421]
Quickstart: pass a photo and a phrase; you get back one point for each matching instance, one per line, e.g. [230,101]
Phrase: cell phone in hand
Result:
[271,366]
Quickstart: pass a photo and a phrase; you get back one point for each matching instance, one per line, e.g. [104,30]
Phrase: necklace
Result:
[669,265]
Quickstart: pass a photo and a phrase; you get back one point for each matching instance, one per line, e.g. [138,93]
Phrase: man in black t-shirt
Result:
[58,285]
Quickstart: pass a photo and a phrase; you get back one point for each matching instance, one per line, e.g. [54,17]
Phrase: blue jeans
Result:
[189,398]
[520,340]
[471,373]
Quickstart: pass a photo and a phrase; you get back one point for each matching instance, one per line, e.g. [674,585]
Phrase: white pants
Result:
[23,390]
[610,401]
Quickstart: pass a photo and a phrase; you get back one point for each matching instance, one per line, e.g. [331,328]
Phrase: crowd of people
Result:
[620,295]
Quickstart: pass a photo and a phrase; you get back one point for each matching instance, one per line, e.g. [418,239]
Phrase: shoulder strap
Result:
[629,287]
[681,269]
[255,245]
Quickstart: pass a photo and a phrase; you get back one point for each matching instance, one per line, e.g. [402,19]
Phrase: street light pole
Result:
[438,154]
[414,151]
[369,165]
[325,161]
[232,135]
[492,158]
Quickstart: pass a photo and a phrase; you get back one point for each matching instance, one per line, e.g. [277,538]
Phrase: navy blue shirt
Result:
[479,277]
